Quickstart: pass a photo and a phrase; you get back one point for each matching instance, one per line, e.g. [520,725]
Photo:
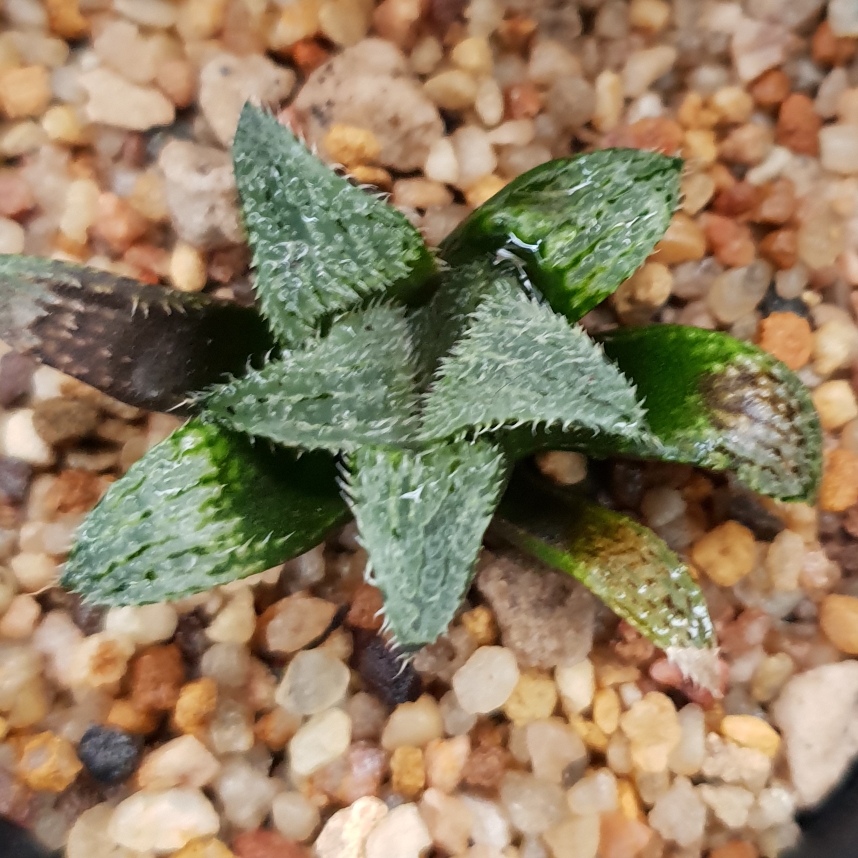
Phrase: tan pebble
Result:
[699,147]
[483,190]
[838,618]
[100,660]
[195,705]
[201,19]
[148,197]
[66,20]
[839,488]
[445,761]
[276,728]
[621,837]
[25,91]
[481,625]
[408,775]
[651,16]
[732,104]
[609,101]
[653,729]
[697,190]
[349,145]
[4,728]
[63,124]
[125,715]
[187,268]
[684,241]
[562,467]
[606,710]
[48,762]
[366,175]
[592,736]
[205,847]
[533,698]
[645,291]
[398,22]
[726,554]
[345,23]
[835,403]
[473,55]
[414,724]
[452,90]
[177,79]
[20,618]
[751,732]
[420,193]
[735,849]
[628,800]
[118,223]
[344,834]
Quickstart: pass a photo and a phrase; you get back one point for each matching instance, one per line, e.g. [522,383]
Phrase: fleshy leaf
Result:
[421,516]
[353,387]
[441,321]
[320,245]
[625,564]
[519,363]
[578,226]
[202,508]
[719,403]
[142,344]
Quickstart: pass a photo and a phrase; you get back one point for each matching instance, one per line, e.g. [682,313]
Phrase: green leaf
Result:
[202,508]
[320,245]
[142,344]
[353,387]
[438,324]
[421,517]
[578,226]
[519,363]
[626,565]
[719,403]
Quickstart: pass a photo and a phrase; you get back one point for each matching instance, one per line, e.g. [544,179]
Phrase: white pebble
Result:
[34,572]
[236,621]
[645,67]
[163,821]
[729,803]
[413,724]
[532,805]
[843,17]
[120,103]
[313,681]
[474,154]
[144,625]
[490,826]
[346,831]
[838,148]
[687,757]
[182,762]
[11,236]
[441,164]
[245,793]
[295,816]
[486,680]
[679,814]
[21,441]
[594,793]
[552,745]
[400,834]
[577,685]
[320,741]
[158,14]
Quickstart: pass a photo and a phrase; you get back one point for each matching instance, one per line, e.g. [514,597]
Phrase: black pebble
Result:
[109,755]
[747,510]
[385,674]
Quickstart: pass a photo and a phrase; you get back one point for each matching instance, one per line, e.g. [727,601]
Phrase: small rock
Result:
[201,194]
[448,820]
[319,741]
[445,762]
[313,681]
[184,762]
[294,622]
[245,793]
[16,373]
[553,746]
[731,804]
[383,672]
[162,821]
[345,833]
[534,697]
[679,814]
[490,826]
[486,680]
[157,675]
[59,420]
[751,732]
[758,46]
[100,660]
[357,773]
[115,101]
[726,554]
[577,685]
[545,617]
[110,755]
[195,705]
[594,793]
[687,757]
[295,816]
[228,81]
[21,441]
[407,772]
[266,844]
[843,17]
[48,762]
[205,847]
[486,766]
[368,86]
[15,477]
[653,729]
[577,837]
[621,836]
[817,713]
[532,805]
[413,724]
[144,624]
[735,764]
[399,834]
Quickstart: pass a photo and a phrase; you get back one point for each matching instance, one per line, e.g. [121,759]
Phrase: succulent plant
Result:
[401,386]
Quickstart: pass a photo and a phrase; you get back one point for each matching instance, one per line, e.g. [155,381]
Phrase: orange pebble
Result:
[839,489]
[787,336]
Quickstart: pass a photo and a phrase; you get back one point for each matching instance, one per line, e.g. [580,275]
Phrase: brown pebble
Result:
[48,763]
[75,491]
[748,144]
[830,50]
[308,55]
[684,241]
[653,133]
[522,101]
[486,767]
[65,19]
[151,264]
[157,675]
[839,489]
[118,224]
[16,375]
[778,203]
[357,773]
[516,32]
[730,242]
[737,201]
[798,125]
[58,420]
[788,337]
[177,79]
[770,88]
[25,91]
[735,849]
[276,728]
[16,198]
[780,248]
[365,609]
[266,844]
